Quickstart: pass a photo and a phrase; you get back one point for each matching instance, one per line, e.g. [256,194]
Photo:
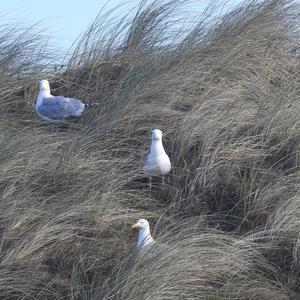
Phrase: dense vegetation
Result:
[226,94]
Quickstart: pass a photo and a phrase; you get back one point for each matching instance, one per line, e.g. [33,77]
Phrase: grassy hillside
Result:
[226,93]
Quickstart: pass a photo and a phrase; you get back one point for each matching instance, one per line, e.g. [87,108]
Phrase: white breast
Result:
[159,164]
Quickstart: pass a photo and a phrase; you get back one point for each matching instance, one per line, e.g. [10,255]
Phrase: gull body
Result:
[157,161]
[56,108]
[145,240]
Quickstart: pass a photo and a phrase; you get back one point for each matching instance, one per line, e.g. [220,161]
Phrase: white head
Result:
[156,135]
[44,85]
[141,224]
[145,238]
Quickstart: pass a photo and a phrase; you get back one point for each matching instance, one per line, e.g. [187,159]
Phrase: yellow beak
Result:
[135,226]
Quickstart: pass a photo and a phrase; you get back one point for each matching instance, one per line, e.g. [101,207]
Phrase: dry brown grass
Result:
[225,93]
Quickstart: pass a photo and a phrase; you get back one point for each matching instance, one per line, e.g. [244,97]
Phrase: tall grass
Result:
[224,91]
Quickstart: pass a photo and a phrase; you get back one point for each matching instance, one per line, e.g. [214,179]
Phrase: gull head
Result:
[44,85]
[156,135]
[141,224]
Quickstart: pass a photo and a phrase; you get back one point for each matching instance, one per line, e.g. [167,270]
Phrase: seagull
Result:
[157,161]
[145,240]
[56,108]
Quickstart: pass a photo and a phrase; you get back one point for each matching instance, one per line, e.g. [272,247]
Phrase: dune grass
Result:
[225,91]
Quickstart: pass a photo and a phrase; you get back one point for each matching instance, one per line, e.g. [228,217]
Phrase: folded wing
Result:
[60,107]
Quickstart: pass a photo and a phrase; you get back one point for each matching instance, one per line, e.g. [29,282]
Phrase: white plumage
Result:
[145,240]
[56,108]
[157,161]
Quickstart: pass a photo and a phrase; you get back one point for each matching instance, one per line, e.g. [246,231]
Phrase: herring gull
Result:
[157,161]
[56,108]
[145,240]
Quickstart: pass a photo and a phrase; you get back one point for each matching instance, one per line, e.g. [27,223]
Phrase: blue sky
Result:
[63,20]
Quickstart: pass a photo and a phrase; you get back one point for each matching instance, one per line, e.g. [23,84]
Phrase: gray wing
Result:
[59,107]
[150,165]
[146,159]
[153,251]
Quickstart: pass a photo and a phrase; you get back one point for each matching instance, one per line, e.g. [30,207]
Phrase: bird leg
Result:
[150,184]
[52,130]
[163,180]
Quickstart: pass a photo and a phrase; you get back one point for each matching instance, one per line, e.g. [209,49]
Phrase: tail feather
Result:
[92,104]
